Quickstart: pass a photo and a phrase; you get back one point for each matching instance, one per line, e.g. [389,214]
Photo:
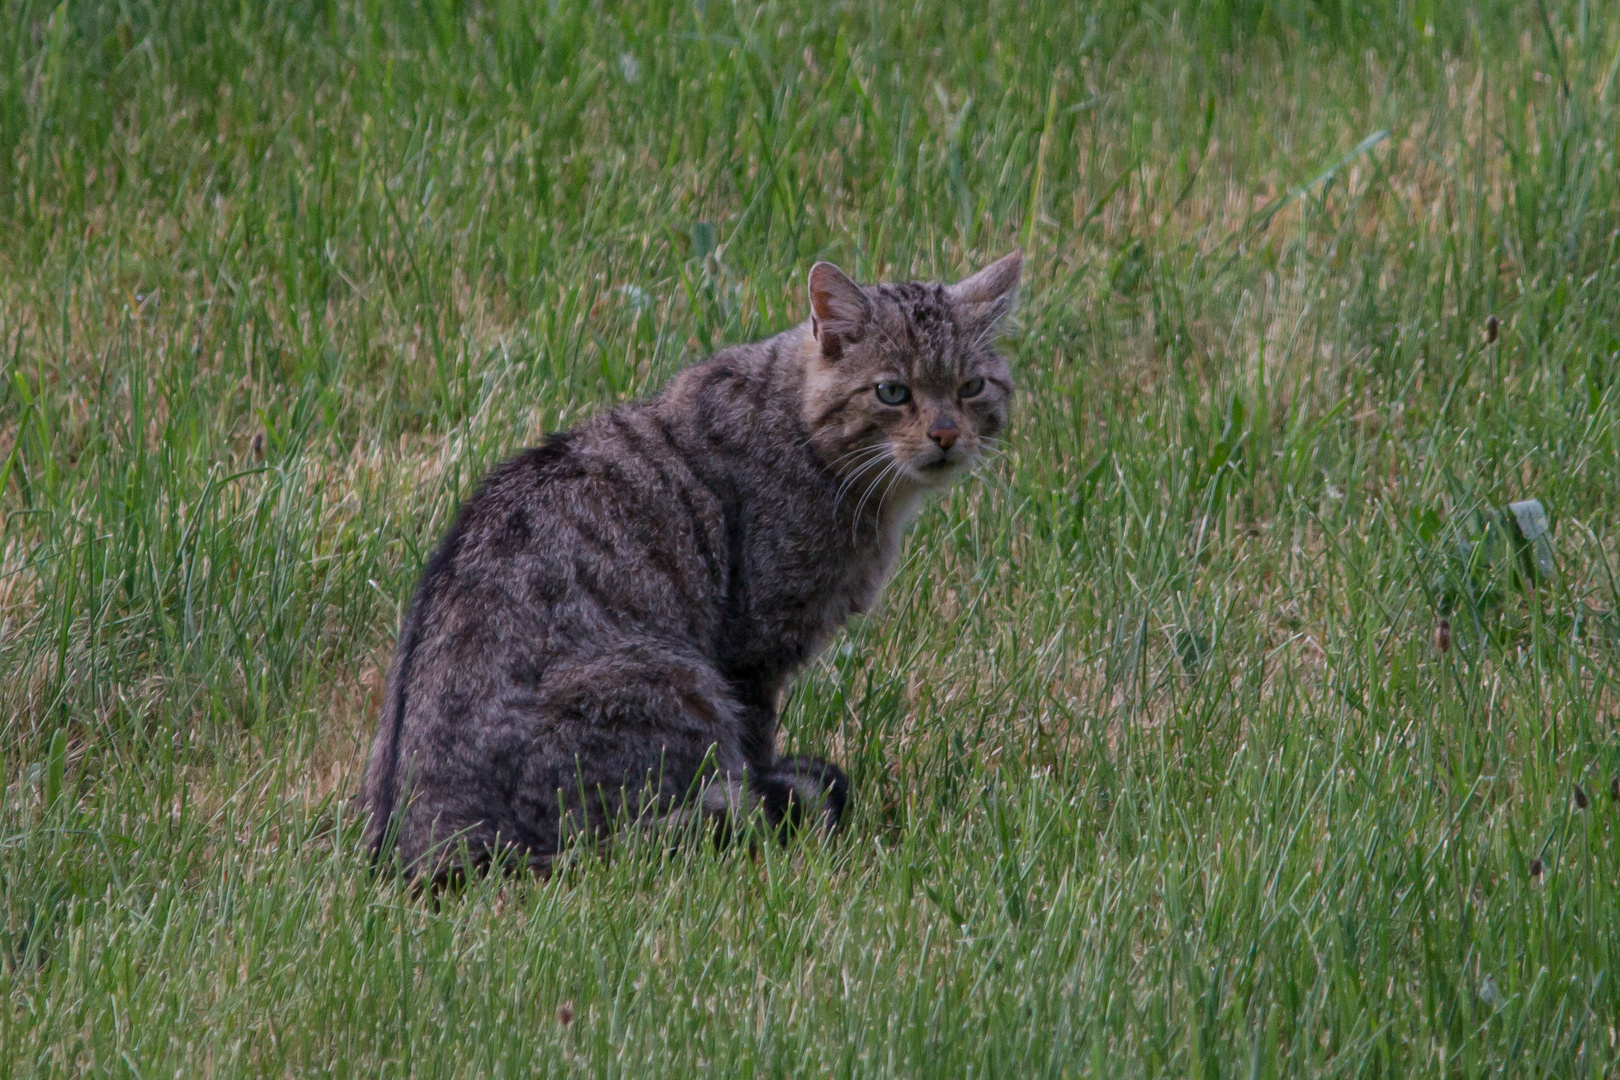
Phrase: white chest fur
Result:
[894,516]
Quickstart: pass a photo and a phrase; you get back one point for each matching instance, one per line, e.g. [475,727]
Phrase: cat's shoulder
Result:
[557,456]
[747,374]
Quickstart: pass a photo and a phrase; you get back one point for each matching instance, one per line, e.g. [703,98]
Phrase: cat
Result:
[605,631]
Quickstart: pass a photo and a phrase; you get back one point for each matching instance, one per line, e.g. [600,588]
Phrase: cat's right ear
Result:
[839,311]
[989,296]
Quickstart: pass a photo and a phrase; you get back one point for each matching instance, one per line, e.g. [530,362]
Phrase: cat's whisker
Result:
[895,465]
[855,519]
[884,498]
[854,477]
[867,493]
[874,448]
[982,472]
[856,470]
[867,451]
[850,480]
[989,454]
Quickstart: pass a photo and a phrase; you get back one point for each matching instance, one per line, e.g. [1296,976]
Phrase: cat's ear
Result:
[989,296]
[839,311]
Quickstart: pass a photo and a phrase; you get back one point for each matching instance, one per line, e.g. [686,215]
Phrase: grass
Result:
[1160,770]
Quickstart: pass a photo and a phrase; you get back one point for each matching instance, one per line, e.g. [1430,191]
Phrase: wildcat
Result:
[605,631]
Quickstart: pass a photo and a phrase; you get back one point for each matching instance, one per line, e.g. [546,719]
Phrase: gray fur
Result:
[605,632]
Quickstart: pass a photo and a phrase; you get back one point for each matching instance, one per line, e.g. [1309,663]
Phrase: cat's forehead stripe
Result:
[927,320]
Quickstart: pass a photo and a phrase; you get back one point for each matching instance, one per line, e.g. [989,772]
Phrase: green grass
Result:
[1159,769]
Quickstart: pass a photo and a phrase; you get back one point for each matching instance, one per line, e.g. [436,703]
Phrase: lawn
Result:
[1229,724]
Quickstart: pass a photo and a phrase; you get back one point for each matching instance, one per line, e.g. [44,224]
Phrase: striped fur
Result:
[607,627]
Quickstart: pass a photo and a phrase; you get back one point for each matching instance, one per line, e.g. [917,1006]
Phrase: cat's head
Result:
[903,384]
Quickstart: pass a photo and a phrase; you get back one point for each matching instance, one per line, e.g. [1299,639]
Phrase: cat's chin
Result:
[936,475]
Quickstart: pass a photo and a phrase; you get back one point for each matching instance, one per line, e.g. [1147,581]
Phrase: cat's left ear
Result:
[989,296]
[839,311]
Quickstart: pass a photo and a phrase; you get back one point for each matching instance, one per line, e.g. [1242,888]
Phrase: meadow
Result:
[1229,724]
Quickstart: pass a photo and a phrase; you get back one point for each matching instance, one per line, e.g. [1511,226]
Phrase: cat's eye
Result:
[893,393]
[972,388]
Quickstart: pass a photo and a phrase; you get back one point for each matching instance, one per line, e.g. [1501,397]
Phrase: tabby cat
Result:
[605,632]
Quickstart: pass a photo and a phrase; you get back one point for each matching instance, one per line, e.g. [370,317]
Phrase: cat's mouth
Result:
[939,469]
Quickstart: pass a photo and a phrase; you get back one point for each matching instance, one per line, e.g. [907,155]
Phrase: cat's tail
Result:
[805,791]
[379,793]
[382,795]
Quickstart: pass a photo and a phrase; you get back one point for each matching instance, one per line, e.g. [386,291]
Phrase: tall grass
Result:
[1159,767]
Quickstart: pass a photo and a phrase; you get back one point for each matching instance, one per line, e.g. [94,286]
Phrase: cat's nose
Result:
[943,433]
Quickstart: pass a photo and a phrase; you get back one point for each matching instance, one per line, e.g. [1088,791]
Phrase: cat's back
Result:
[602,539]
[619,527]
[606,529]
